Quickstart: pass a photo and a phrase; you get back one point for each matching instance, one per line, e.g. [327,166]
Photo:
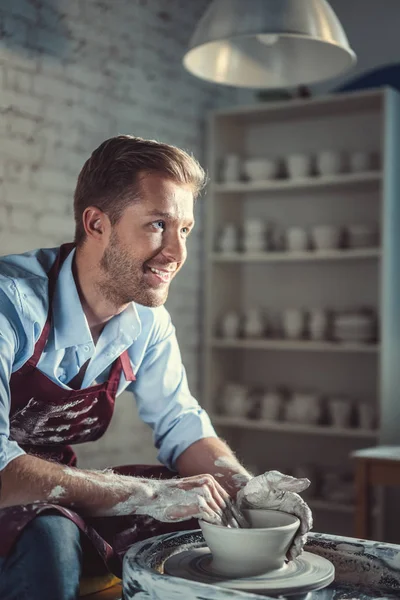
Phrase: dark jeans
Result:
[45,563]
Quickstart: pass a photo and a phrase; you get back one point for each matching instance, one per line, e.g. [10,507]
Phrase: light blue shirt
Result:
[161,389]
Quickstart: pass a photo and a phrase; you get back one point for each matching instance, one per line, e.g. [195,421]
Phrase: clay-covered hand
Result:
[200,497]
[277,491]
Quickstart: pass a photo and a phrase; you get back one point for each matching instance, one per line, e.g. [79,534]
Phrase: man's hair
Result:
[110,178]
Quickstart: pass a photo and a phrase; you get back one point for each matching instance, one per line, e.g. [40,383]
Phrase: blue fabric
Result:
[45,563]
[161,390]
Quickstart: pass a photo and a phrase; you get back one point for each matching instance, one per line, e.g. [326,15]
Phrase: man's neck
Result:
[98,310]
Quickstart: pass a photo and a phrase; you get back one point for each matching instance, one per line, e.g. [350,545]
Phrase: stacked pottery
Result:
[254,235]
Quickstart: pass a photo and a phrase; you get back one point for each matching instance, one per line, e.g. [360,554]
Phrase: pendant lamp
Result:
[268,43]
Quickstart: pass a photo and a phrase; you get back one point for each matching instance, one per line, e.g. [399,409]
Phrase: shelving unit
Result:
[337,279]
[271,257]
[294,345]
[263,425]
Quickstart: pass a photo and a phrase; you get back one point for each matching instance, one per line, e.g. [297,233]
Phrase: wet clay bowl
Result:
[259,549]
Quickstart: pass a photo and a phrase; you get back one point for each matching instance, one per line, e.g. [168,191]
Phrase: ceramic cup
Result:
[230,324]
[366,415]
[360,161]
[230,171]
[293,320]
[247,552]
[253,323]
[298,165]
[318,324]
[296,239]
[340,409]
[270,405]
[329,162]
[234,400]
[325,237]
[228,240]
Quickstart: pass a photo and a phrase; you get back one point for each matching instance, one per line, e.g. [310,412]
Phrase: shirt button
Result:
[86,348]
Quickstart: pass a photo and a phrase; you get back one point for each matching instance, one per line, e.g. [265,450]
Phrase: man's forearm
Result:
[28,479]
[212,455]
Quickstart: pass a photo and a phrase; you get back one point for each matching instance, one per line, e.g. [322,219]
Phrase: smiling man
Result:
[80,324]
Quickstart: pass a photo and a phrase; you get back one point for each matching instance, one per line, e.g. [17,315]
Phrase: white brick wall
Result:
[72,74]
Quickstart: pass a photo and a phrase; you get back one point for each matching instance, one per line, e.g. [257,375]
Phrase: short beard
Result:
[118,268]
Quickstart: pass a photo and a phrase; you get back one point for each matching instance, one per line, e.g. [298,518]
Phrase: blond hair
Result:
[110,180]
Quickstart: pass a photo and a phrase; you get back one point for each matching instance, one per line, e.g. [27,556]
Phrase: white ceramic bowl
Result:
[258,169]
[259,549]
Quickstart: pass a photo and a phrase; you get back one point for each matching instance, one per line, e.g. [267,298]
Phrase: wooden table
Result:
[374,466]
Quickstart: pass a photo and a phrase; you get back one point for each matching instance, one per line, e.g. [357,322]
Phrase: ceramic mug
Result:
[230,324]
[325,237]
[270,405]
[360,161]
[253,323]
[329,162]
[230,168]
[298,165]
[340,409]
[228,239]
[293,320]
[366,415]
[296,239]
[306,408]
[318,324]
[234,400]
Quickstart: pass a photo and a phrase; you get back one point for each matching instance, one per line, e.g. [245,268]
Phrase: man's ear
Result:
[96,223]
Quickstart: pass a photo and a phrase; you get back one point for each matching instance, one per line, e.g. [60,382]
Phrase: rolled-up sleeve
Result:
[165,402]
[8,346]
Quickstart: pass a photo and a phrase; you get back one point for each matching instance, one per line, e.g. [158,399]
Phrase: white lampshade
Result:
[268,43]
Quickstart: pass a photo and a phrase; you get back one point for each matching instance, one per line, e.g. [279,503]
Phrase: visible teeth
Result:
[161,273]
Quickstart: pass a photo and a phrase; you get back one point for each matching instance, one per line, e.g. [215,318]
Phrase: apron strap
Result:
[127,367]
[52,275]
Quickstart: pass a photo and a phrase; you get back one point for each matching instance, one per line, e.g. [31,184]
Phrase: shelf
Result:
[263,425]
[309,256]
[270,185]
[295,345]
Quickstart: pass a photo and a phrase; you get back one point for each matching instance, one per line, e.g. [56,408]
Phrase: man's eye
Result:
[158,224]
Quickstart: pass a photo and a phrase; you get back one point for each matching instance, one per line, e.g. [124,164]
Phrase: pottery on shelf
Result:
[298,165]
[360,161]
[234,400]
[252,551]
[329,162]
[257,169]
[293,323]
[229,325]
[231,167]
[296,239]
[228,238]
[340,410]
[253,323]
[325,237]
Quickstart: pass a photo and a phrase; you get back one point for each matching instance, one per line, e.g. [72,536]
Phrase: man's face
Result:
[147,246]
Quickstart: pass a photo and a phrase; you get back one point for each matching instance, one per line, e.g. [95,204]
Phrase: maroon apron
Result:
[45,419]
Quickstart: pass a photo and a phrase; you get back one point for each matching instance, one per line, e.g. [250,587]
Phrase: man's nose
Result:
[174,248]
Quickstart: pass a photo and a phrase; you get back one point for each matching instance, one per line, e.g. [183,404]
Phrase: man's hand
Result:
[201,497]
[279,492]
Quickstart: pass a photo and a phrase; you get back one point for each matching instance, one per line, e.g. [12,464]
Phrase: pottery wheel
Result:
[307,573]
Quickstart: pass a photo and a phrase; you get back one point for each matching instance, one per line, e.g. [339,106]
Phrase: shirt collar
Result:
[70,324]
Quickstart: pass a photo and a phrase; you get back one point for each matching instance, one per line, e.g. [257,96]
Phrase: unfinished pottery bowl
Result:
[259,549]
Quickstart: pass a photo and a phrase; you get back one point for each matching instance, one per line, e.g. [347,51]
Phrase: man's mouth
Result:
[160,275]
